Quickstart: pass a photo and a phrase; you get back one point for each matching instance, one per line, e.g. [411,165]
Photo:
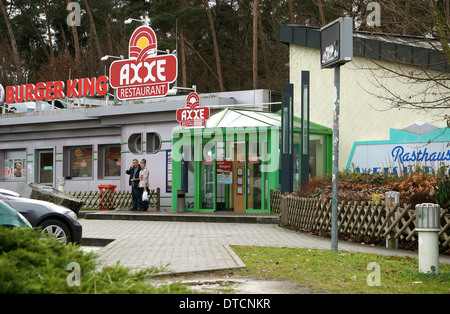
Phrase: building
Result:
[90,146]
[366,114]
[234,162]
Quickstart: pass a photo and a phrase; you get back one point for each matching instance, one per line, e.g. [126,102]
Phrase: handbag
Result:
[145,196]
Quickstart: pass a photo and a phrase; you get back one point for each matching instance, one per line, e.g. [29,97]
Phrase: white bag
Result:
[145,196]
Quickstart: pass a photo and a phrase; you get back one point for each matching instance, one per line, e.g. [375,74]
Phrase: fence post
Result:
[392,200]
[158,199]
[283,213]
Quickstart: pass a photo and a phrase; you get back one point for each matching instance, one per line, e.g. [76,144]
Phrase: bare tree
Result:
[428,87]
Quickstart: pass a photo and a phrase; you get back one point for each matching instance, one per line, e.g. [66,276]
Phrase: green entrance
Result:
[233,163]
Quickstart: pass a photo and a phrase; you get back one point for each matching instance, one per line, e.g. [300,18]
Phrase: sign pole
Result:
[336,48]
[335,176]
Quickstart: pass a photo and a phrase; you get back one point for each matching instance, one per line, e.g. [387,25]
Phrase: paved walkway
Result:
[197,246]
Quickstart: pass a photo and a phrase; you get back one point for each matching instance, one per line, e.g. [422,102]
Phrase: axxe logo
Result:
[144,74]
[193,115]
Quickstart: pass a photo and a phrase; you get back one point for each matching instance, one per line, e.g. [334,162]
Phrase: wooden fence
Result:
[354,218]
[114,200]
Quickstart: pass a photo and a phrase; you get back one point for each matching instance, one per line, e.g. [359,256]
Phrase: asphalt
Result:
[197,242]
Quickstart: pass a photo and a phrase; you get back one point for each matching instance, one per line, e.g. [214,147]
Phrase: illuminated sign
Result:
[336,42]
[144,74]
[193,115]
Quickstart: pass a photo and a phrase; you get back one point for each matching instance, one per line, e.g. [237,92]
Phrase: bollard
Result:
[428,227]
[392,199]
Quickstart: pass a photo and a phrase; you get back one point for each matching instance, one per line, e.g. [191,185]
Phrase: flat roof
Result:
[411,50]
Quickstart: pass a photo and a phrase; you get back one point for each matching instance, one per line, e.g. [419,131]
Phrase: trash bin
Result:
[106,202]
[181,201]
[428,227]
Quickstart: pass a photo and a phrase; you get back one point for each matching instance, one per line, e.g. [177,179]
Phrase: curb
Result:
[183,217]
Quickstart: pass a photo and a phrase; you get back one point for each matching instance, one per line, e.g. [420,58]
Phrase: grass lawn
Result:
[343,272]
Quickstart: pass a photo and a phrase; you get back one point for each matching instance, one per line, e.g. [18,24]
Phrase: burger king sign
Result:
[144,74]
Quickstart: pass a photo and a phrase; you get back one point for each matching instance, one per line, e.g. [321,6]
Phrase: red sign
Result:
[208,160]
[225,165]
[56,90]
[144,74]
[193,115]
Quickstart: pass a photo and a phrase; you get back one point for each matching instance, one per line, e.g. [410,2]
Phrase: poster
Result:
[224,171]
[168,171]
[9,168]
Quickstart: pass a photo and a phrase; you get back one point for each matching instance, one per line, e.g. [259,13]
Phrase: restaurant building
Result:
[90,146]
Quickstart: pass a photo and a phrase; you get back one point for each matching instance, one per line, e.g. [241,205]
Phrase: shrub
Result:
[29,264]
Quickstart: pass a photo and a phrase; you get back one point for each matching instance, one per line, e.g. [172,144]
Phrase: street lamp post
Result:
[104,58]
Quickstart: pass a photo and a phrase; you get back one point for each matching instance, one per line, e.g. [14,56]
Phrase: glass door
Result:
[45,162]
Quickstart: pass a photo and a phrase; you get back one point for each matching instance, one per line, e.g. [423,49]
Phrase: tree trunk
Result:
[262,37]
[322,15]
[47,19]
[94,30]
[183,56]
[39,37]
[255,43]
[66,45]
[216,47]
[13,42]
[108,33]
[291,12]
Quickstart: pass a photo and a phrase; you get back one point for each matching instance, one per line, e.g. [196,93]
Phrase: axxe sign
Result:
[193,115]
[144,74]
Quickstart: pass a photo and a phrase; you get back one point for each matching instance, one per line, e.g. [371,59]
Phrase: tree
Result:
[12,39]
[216,48]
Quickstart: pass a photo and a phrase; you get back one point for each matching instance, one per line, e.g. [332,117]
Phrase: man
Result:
[136,197]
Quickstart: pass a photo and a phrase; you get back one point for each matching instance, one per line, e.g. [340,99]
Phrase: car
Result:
[8,192]
[54,220]
[11,218]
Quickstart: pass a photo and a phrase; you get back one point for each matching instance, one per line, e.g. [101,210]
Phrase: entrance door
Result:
[45,166]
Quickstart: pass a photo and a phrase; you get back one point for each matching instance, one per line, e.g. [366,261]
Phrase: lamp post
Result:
[142,20]
[104,58]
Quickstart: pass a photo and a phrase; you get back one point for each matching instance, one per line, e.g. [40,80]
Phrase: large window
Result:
[80,161]
[112,160]
[15,164]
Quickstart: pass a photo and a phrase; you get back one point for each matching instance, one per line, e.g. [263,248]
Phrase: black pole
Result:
[287,139]
[304,157]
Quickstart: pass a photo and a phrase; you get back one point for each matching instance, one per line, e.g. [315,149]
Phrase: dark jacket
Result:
[130,172]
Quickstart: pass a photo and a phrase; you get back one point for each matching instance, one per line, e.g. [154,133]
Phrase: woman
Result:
[143,183]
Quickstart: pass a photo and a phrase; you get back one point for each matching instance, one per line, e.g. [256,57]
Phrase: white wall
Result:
[363,115]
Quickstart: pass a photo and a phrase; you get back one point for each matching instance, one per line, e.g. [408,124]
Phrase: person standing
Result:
[143,182]
[136,196]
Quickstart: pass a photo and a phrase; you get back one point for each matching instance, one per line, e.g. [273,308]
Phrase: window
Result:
[153,143]
[135,143]
[15,164]
[112,160]
[80,161]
